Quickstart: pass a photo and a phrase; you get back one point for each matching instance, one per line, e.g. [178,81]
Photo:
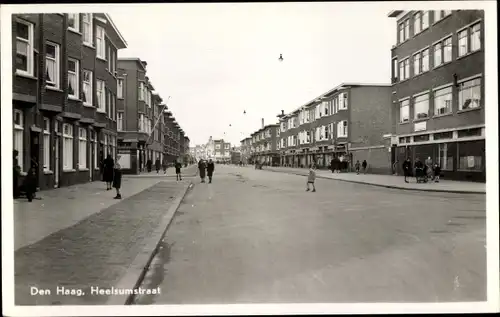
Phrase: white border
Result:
[491,86]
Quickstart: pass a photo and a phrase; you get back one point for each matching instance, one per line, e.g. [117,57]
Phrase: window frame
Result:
[67,157]
[90,18]
[119,121]
[100,38]
[30,58]
[46,145]
[90,85]
[415,103]
[435,96]
[76,28]
[404,103]
[101,96]
[119,88]
[76,73]
[19,128]
[469,88]
[57,60]
[82,139]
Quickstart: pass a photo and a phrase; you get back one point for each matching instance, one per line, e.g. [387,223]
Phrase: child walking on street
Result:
[311,177]
[437,172]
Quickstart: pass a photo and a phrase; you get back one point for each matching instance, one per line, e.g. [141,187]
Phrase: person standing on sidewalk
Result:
[407,169]
[108,168]
[157,165]
[117,180]
[149,165]
[311,178]
[357,167]
[178,167]
[164,165]
[210,170]
[437,173]
[29,184]
[202,169]
[365,164]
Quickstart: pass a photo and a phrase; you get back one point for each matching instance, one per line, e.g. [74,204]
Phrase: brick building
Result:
[246,145]
[139,109]
[265,145]
[172,134]
[222,151]
[351,122]
[64,94]
[438,90]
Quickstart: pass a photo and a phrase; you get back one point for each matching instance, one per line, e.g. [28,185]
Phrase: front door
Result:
[91,167]
[56,166]
[35,154]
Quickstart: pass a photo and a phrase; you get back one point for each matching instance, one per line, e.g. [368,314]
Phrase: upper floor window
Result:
[404,111]
[100,42]
[342,129]
[141,91]
[442,52]
[404,69]
[443,101]
[421,62]
[73,78]
[101,96]
[343,101]
[119,88]
[87,29]
[469,94]
[24,48]
[404,30]
[226,146]
[421,106]
[74,22]
[395,69]
[52,61]
[469,39]
[87,87]
[441,14]
[119,121]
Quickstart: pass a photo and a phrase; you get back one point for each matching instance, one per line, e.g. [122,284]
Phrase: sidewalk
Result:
[80,238]
[190,171]
[390,181]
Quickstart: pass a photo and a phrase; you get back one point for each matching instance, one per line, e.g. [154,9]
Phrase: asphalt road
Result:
[258,237]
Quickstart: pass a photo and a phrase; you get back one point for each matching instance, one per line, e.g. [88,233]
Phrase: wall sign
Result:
[420,126]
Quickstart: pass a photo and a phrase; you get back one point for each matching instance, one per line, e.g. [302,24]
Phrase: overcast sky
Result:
[218,60]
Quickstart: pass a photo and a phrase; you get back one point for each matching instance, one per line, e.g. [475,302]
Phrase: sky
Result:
[218,60]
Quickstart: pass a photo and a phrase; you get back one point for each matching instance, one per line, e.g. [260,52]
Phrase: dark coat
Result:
[407,168]
[29,183]
[364,164]
[158,164]
[202,167]
[117,179]
[210,169]
[107,170]
[178,167]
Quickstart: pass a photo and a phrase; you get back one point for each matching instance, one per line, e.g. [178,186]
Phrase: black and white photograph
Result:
[249,158]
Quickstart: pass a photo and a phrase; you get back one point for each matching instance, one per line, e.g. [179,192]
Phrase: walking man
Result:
[365,164]
[407,169]
[210,170]
[357,166]
[178,167]
[158,165]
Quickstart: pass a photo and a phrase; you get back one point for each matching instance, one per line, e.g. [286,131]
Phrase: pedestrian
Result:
[16,173]
[117,180]
[365,164]
[210,170]
[178,167]
[108,169]
[158,165]
[29,184]
[357,166]
[149,165]
[437,173]
[202,169]
[407,169]
[311,177]
[164,165]
[430,166]
[332,165]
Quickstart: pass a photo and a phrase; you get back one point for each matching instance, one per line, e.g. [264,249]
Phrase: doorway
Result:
[35,154]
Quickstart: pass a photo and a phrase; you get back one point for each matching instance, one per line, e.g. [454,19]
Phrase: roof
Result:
[137,59]
[108,17]
[395,13]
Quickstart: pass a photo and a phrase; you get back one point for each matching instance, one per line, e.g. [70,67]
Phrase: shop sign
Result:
[420,126]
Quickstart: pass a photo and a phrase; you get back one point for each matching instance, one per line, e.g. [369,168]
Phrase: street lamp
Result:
[281,58]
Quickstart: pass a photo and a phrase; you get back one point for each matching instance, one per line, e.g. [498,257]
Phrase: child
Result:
[437,172]
[117,180]
[357,165]
[311,178]
[29,184]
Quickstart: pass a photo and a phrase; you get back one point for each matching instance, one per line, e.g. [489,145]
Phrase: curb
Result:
[139,267]
[389,186]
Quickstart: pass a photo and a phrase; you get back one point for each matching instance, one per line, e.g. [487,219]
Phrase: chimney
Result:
[262,123]
[282,112]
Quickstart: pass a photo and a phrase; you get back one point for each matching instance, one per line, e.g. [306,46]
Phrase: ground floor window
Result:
[67,146]
[82,148]
[18,137]
[445,157]
[46,144]
[470,156]
[105,146]
[95,150]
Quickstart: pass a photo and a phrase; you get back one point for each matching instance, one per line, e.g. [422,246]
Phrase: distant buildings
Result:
[217,150]
[438,90]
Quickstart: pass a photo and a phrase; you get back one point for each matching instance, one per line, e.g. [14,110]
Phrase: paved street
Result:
[258,236]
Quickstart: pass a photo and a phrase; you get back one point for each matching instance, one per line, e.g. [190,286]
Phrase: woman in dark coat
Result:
[149,165]
[201,168]
[117,180]
[407,169]
[108,167]
[210,170]
[158,165]
[29,184]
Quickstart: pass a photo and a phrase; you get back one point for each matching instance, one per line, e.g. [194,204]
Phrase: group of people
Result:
[208,167]
[112,175]
[422,171]
[358,165]
[158,165]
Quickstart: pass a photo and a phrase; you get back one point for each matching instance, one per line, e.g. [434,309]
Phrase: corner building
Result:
[438,91]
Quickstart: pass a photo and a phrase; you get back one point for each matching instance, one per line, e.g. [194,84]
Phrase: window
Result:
[421,138]
[119,88]
[108,103]
[73,78]
[74,21]
[101,96]
[475,37]
[141,122]
[421,62]
[441,14]
[141,91]
[417,22]
[404,111]
[119,123]
[443,135]
[113,107]
[469,94]
[395,69]
[226,146]
[327,132]
[46,144]
[24,48]
[87,29]
[82,148]
[438,57]
[469,133]
[421,105]
[67,146]
[463,48]
[52,65]
[404,69]
[100,43]
[404,31]
[342,129]
[470,156]
[442,101]
[425,20]
[416,63]
[18,136]
[87,87]
[445,157]
[425,60]
[447,49]
[217,146]
[343,101]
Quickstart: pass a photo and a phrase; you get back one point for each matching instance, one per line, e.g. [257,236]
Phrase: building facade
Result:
[172,132]
[350,122]
[64,95]
[222,151]
[265,144]
[246,146]
[438,91]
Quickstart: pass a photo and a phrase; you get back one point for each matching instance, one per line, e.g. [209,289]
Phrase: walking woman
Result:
[201,167]
[210,170]
[108,167]
[117,180]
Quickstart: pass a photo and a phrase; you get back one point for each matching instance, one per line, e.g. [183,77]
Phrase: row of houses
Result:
[73,106]
[432,107]
[216,149]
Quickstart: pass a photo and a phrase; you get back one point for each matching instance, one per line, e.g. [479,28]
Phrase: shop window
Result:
[469,133]
[443,135]
[470,156]
[445,157]
[421,138]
